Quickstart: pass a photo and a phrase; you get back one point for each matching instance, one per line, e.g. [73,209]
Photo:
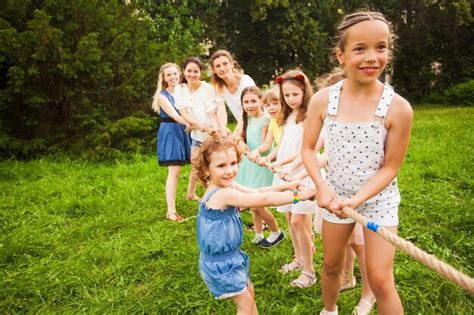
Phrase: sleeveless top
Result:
[355,151]
[219,232]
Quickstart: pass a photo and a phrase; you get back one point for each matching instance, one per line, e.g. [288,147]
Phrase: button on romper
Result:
[224,267]
[355,154]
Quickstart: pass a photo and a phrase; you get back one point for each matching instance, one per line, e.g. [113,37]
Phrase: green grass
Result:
[91,237]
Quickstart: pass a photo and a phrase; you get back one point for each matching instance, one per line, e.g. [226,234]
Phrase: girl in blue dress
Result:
[224,267]
[174,145]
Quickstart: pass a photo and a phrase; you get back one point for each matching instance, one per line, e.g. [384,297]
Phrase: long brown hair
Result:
[245,117]
[217,82]
[300,80]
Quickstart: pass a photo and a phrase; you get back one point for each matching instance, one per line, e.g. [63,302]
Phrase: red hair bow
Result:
[298,77]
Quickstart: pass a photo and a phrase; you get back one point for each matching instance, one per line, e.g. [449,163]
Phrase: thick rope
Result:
[429,260]
[415,252]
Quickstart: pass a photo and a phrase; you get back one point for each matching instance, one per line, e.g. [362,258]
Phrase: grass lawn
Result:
[91,237]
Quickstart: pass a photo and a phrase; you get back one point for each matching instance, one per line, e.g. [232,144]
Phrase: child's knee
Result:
[297,222]
[332,267]
[257,210]
[380,281]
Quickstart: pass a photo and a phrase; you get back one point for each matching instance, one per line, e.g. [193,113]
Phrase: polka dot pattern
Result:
[355,153]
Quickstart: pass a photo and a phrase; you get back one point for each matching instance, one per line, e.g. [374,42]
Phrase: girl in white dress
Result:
[295,93]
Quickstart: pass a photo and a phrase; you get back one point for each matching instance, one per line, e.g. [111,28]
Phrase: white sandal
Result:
[301,283]
[364,307]
[295,265]
[349,282]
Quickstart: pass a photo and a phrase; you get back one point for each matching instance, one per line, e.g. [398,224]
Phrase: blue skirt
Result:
[174,144]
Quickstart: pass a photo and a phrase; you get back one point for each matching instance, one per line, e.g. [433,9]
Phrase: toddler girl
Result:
[224,267]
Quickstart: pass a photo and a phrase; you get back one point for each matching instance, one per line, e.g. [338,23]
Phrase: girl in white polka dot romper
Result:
[367,133]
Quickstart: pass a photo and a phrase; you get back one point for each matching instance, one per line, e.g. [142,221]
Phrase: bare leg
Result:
[299,224]
[257,221]
[171,185]
[348,271]
[335,239]
[379,263]
[267,216]
[366,291]
[245,303]
[294,239]
[191,194]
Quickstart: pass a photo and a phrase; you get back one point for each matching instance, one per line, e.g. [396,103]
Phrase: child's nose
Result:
[370,56]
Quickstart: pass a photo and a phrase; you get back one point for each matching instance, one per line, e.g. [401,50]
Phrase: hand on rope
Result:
[276,169]
[325,196]
[415,252]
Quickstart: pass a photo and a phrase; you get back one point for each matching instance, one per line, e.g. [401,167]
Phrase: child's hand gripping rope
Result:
[429,260]
[244,149]
[415,252]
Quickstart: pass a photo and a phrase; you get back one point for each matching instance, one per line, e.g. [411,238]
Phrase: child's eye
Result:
[358,49]
[382,47]
[234,163]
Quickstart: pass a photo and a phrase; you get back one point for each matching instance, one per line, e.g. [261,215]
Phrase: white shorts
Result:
[383,217]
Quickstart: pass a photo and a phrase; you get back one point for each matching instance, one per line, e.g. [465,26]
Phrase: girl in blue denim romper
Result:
[224,267]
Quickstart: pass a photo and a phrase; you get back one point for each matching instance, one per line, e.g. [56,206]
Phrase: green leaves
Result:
[69,66]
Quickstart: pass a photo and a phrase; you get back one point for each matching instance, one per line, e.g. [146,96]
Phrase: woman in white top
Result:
[196,102]
[229,81]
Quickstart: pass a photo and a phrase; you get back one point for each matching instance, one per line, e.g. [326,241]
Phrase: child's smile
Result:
[252,104]
[366,50]
[223,167]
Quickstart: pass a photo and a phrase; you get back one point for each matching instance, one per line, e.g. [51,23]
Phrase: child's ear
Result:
[340,56]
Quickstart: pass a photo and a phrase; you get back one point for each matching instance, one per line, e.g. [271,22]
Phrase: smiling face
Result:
[222,67]
[192,73]
[252,104]
[366,50]
[292,93]
[223,167]
[171,76]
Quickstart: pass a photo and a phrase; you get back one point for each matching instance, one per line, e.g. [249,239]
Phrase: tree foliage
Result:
[68,69]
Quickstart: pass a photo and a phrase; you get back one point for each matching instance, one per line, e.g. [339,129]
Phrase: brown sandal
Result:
[175,217]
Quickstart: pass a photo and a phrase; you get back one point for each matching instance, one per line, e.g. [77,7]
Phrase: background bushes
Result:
[69,70]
